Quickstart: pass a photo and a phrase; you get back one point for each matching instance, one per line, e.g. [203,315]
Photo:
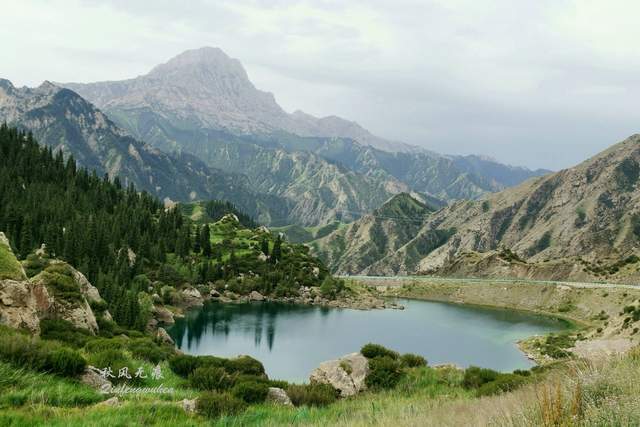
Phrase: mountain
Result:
[203,103]
[582,223]
[206,88]
[63,120]
[359,246]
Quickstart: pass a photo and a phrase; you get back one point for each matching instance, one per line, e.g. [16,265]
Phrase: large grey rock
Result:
[21,303]
[346,374]
[278,396]
[92,378]
[256,296]
[192,297]
[163,336]
[189,405]
[163,315]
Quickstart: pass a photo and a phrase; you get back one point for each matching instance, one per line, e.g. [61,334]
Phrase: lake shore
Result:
[595,310]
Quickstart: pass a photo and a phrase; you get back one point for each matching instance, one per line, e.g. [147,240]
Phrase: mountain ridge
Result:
[581,223]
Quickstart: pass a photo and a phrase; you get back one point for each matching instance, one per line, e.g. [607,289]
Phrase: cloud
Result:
[543,83]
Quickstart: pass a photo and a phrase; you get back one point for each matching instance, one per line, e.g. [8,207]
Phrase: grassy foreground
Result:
[576,393]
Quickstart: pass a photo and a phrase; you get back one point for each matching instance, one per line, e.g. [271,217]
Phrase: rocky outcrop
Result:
[347,374]
[192,298]
[163,315]
[256,296]
[74,309]
[23,303]
[163,336]
[278,396]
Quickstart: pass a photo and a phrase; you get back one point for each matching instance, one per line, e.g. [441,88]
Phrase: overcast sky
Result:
[541,83]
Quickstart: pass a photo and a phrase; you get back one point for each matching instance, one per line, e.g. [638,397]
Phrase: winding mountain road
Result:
[402,280]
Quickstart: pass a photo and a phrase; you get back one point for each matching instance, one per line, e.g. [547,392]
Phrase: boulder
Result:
[278,396]
[19,304]
[114,401]
[163,337]
[256,296]
[189,405]
[214,293]
[92,378]
[346,374]
[163,315]
[192,297]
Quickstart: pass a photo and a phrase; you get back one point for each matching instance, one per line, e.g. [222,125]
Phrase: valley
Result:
[177,248]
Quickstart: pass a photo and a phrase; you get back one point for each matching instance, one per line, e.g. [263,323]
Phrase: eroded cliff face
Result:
[57,292]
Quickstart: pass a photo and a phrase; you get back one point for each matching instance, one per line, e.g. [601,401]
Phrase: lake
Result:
[292,340]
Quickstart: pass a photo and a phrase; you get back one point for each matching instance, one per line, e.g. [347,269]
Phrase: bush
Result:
[413,360]
[183,364]
[214,405]
[384,372]
[331,287]
[65,361]
[211,378]
[312,394]
[33,353]
[245,365]
[106,327]
[251,391]
[278,384]
[62,330]
[503,383]
[474,377]
[115,360]
[371,351]
[145,348]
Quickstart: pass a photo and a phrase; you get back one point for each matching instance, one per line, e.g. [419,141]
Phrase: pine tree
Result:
[205,241]
[276,254]
[197,247]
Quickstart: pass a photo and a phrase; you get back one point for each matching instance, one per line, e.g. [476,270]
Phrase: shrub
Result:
[503,383]
[106,327]
[384,372]
[101,344]
[215,405]
[62,330]
[371,351]
[474,377]
[34,353]
[212,361]
[312,394]
[65,361]
[251,391]
[211,378]
[116,360]
[278,384]
[413,360]
[331,287]
[145,348]
[183,364]
[245,365]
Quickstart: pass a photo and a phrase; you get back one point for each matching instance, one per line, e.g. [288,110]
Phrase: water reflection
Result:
[291,340]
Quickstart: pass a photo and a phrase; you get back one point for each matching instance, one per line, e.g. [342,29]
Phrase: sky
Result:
[542,83]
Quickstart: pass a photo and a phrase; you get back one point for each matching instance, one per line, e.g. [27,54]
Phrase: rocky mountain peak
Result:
[6,85]
[207,66]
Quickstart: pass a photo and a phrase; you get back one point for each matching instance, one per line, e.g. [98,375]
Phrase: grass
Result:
[21,387]
[419,385]
[573,393]
[9,266]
